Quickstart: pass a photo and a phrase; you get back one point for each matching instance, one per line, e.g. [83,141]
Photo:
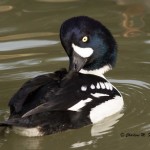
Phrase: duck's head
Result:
[89,44]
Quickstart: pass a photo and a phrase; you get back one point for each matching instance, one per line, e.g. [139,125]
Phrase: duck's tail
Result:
[21,122]
[5,124]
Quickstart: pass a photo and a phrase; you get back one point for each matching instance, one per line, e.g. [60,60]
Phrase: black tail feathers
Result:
[5,124]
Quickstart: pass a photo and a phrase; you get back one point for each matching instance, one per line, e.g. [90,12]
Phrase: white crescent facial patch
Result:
[83,52]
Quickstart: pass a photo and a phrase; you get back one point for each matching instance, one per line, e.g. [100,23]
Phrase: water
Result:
[29,46]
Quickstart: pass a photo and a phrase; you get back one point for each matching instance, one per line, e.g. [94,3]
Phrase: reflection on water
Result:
[7,30]
[133,16]
[135,83]
[19,64]
[24,35]
[146,127]
[58,59]
[99,129]
[106,125]
[32,143]
[133,20]
[24,75]
[9,56]
[81,144]
[56,1]
[24,44]
[147,42]
[5,8]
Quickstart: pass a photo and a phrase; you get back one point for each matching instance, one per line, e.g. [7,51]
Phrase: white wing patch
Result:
[92,87]
[83,88]
[98,86]
[107,85]
[80,104]
[106,109]
[102,85]
[110,86]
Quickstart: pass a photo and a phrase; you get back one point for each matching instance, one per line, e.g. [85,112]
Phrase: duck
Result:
[74,97]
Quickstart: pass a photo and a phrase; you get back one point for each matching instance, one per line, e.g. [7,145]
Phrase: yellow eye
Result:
[85,39]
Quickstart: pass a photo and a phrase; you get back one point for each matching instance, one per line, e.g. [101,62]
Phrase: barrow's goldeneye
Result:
[70,99]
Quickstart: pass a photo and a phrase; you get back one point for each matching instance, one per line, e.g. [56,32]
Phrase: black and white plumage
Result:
[70,99]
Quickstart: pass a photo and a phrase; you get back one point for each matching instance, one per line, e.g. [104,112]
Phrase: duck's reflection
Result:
[99,129]
[133,20]
[82,137]
[105,125]
[133,16]
[33,143]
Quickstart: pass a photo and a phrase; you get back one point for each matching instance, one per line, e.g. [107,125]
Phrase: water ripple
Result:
[136,109]
[24,75]
[9,56]
[56,1]
[58,59]
[7,30]
[5,8]
[147,42]
[137,83]
[23,35]
[146,127]
[25,44]
[18,64]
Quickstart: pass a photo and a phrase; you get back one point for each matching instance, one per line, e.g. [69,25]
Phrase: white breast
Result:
[106,109]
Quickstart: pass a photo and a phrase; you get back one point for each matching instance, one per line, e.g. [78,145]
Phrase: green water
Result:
[29,46]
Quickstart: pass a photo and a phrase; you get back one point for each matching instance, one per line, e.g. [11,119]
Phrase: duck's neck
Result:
[98,72]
